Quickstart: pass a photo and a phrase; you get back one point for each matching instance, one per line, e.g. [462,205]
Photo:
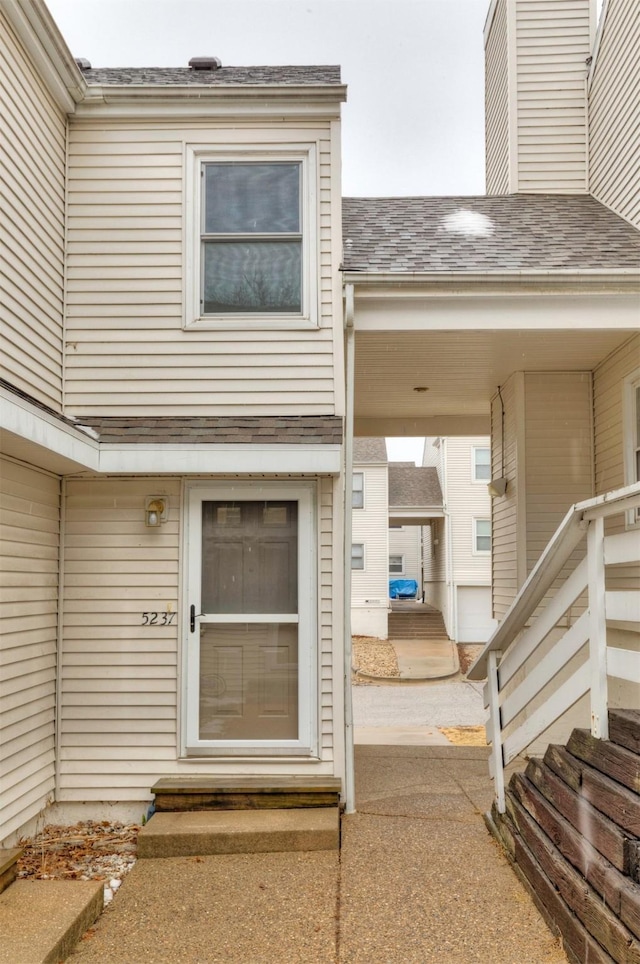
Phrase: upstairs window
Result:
[396,565]
[251,254]
[481,464]
[251,245]
[357,491]
[481,535]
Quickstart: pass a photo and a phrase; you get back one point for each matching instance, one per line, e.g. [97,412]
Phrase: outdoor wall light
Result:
[155,510]
[497,488]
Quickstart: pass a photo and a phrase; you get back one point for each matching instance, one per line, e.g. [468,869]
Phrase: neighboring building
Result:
[370,541]
[457,547]
[184,342]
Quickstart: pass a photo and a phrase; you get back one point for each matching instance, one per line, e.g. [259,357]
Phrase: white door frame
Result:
[304,493]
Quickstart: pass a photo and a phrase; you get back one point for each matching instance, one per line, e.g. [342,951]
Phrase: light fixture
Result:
[497,488]
[421,388]
[155,510]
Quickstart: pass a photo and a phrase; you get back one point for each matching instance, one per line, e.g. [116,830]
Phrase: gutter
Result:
[349,780]
[519,277]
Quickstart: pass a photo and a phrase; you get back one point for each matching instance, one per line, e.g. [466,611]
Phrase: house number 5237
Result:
[158,619]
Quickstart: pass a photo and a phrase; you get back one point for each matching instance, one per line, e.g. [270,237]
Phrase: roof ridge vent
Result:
[205,63]
[83,63]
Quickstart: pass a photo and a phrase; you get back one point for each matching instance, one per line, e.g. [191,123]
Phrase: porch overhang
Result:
[418,516]
[34,434]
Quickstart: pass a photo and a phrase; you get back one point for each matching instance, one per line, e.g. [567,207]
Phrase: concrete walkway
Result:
[418,880]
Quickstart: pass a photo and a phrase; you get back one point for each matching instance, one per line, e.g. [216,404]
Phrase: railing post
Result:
[494,729]
[597,630]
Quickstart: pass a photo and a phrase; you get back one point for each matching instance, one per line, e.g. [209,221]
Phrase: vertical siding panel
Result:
[553,42]
[614,107]
[125,284]
[29,526]
[32,169]
[497,130]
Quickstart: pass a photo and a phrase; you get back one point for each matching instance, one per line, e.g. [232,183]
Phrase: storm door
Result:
[250,639]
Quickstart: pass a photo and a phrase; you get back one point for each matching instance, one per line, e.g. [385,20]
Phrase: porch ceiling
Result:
[461,370]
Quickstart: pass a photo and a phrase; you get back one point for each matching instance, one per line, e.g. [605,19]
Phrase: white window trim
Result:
[474,477]
[364,557]
[195,156]
[474,532]
[361,474]
[629,415]
[307,742]
[400,556]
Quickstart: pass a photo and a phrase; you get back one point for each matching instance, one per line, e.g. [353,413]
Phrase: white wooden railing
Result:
[515,680]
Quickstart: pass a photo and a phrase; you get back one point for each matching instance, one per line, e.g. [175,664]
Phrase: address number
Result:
[158,619]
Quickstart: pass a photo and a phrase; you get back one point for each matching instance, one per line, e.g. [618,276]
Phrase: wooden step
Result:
[624,729]
[614,761]
[204,833]
[245,793]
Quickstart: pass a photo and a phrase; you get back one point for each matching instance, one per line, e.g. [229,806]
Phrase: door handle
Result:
[192,619]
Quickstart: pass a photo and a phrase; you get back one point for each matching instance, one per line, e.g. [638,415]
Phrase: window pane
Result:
[357,494]
[482,464]
[483,535]
[396,564]
[251,198]
[357,556]
[252,276]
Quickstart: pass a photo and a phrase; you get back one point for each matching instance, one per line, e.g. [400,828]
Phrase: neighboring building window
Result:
[357,490]
[481,465]
[482,535]
[396,565]
[251,245]
[357,555]
[631,419]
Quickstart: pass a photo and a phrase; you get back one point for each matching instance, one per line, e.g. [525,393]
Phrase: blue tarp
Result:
[403,588]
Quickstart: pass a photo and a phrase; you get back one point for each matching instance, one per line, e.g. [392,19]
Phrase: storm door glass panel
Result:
[249,557]
[249,667]
[249,681]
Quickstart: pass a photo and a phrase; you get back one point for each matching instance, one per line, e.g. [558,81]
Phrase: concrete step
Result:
[245,793]
[41,921]
[204,833]
[9,866]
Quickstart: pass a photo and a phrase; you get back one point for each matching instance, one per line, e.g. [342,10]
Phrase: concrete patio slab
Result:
[426,658]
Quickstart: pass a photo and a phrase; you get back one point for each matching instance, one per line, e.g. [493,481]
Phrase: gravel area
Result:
[373,656]
[85,851]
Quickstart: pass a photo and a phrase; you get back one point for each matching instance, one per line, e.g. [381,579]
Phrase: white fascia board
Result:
[214,459]
[48,50]
[177,103]
[34,425]
[458,281]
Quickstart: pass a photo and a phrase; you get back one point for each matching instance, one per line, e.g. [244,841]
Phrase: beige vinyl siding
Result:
[32,169]
[614,112]
[370,526]
[504,556]
[608,385]
[559,452]
[29,526]
[466,500]
[553,41]
[128,352]
[407,542]
[121,680]
[497,130]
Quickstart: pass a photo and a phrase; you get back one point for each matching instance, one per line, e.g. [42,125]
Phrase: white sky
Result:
[413,122]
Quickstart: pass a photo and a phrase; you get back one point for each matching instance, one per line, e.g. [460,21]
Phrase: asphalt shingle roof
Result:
[268,430]
[369,450]
[224,76]
[413,486]
[516,232]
